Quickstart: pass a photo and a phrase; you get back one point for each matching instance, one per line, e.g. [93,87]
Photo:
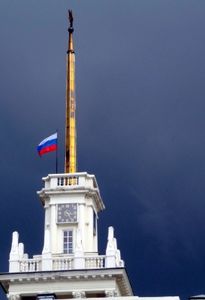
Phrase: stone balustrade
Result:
[82,179]
[62,263]
[59,263]
[30,265]
[97,262]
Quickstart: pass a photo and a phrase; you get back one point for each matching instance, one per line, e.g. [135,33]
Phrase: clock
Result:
[67,213]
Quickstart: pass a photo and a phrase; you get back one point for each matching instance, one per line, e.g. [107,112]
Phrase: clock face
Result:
[67,213]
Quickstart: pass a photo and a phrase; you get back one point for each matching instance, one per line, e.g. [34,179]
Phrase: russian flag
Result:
[47,145]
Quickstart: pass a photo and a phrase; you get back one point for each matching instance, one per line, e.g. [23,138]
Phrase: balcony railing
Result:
[97,262]
[30,265]
[70,180]
[60,263]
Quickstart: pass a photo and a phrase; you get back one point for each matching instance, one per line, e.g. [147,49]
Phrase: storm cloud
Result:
[140,74]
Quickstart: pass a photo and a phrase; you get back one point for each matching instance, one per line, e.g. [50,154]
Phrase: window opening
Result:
[68,241]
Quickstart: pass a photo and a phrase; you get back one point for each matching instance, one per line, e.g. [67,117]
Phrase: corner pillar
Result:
[46,254]
[79,256]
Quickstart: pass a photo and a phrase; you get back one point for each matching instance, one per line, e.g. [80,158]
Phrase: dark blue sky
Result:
[140,107]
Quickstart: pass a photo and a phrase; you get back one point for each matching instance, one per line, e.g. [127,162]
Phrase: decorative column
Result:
[14,265]
[110,250]
[46,254]
[79,257]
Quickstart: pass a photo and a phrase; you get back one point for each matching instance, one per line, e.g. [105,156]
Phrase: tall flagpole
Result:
[70,129]
[57,154]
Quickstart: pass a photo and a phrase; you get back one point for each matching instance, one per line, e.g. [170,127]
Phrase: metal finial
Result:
[70,16]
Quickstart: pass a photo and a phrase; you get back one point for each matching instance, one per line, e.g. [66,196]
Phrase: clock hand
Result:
[67,213]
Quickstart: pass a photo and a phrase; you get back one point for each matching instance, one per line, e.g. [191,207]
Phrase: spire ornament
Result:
[70,129]
[70,16]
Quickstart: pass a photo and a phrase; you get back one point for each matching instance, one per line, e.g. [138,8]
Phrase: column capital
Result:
[13,296]
[78,294]
[111,293]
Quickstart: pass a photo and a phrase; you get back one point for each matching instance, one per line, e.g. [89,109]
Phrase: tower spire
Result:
[70,129]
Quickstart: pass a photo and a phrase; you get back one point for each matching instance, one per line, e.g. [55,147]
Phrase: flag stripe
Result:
[47,145]
[51,137]
[47,149]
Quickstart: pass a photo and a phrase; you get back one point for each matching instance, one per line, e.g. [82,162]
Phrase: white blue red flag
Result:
[48,145]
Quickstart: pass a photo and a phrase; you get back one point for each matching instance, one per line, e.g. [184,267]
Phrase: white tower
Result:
[70,265]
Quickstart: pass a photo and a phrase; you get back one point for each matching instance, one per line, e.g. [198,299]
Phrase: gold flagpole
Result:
[70,129]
